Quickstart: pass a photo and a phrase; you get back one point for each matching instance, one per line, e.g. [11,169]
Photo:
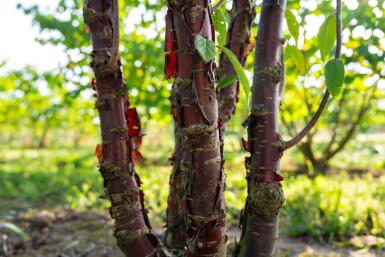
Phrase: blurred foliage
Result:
[322,208]
[360,107]
[325,209]
[141,49]
[37,107]
[142,30]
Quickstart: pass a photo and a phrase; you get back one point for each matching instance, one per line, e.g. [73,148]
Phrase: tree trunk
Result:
[265,195]
[43,138]
[202,153]
[238,41]
[175,236]
[121,135]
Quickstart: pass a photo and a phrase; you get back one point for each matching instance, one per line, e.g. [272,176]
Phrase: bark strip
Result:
[121,135]
[202,153]
[238,41]
[175,236]
[265,196]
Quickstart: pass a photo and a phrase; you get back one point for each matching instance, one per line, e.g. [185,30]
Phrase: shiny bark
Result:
[121,135]
[265,195]
[238,41]
[202,158]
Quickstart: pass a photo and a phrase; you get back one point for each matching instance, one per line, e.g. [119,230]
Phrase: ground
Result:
[62,232]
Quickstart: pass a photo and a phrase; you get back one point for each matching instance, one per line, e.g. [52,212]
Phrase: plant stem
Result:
[325,98]
[202,151]
[121,135]
[238,41]
[265,195]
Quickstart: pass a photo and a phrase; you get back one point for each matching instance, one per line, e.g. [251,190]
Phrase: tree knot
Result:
[265,199]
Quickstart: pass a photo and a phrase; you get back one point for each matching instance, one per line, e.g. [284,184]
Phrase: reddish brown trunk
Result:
[121,136]
[202,160]
[265,196]
[175,236]
[238,41]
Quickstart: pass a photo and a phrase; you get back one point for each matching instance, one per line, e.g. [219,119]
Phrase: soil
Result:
[68,233]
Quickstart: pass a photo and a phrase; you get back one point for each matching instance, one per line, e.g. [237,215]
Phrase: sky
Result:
[17,39]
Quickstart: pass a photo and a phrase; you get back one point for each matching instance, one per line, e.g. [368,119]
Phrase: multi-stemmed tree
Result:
[238,41]
[196,215]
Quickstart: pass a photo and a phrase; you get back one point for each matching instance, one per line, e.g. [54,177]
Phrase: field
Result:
[52,195]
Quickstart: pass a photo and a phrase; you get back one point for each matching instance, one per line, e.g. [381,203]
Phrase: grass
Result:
[336,207]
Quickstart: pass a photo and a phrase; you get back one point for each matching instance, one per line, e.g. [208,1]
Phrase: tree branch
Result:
[310,125]
[325,98]
[215,7]
[326,152]
[338,30]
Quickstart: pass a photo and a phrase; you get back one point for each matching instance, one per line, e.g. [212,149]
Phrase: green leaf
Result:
[205,47]
[293,24]
[327,36]
[334,76]
[220,27]
[15,229]
[226,81]
[297,57]
[238,69]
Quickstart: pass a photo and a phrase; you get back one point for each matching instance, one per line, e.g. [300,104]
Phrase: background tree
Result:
[361,82]
[361,52]
[238,41]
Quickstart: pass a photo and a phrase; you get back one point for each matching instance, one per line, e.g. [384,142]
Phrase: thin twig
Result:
[325,98]
[339,30]
[310,125]
[113,62]
[215,7]
[335,127]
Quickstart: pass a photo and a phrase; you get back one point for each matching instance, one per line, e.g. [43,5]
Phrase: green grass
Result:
[334,207]
[66,176]
[327,208]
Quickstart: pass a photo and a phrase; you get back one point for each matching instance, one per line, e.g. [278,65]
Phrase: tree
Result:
[265,86]
[196,112]
[121,134]
[266,146]
[189,59]
[238,41]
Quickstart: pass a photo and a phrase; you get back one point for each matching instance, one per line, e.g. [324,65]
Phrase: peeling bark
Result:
[202,152]
[121,135]
[175,236]
[265,196]
[238,41]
